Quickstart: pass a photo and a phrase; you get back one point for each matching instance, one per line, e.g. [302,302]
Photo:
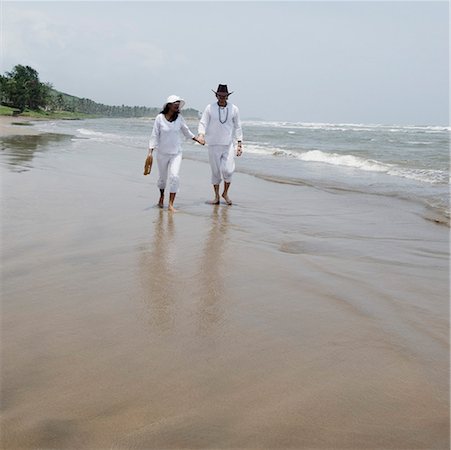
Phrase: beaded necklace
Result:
[227,114]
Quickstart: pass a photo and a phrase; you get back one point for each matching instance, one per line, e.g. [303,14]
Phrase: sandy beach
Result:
[298,318]
[10,126]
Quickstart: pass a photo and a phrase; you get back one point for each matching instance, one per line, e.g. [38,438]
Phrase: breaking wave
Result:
[355,162]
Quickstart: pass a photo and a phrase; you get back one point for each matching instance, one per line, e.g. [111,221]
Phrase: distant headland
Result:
[23,94]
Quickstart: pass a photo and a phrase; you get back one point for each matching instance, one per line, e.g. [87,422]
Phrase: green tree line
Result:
[21,89]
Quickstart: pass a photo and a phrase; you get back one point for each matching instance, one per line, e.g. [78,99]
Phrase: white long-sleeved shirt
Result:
[216,132]
[165,136]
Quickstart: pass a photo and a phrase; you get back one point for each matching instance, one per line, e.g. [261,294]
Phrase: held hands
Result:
[199,139]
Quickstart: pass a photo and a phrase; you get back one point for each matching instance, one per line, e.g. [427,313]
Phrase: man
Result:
[219,127]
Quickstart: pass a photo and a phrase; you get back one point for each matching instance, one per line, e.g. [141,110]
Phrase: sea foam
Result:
[97,134]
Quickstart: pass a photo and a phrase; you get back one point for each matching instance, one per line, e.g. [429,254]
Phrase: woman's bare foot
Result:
[214,202]
[171,208]
[227,199]
[161,202]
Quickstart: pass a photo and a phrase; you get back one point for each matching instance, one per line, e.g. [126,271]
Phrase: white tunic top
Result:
[216,132]
[166,135]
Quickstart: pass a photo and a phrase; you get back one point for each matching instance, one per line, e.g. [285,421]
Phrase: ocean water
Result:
[409,162]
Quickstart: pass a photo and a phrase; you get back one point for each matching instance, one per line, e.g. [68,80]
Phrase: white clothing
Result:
[166,135]
[221,126]
[169,167]
[222,162]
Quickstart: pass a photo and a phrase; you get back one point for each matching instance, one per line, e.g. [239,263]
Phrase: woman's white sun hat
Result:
[173,99]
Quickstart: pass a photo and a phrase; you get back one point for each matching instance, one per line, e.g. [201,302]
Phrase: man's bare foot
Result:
[214,202]
[161,202]
[171,208]
[227,199]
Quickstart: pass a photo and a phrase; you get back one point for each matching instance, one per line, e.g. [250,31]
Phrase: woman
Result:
[165,139]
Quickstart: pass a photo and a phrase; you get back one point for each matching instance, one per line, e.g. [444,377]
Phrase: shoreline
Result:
[430,213]
[10,126]
[427,212]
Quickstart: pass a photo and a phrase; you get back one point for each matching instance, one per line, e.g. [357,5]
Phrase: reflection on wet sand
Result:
[211,272]
[158,274]
[17,151]
[166,291]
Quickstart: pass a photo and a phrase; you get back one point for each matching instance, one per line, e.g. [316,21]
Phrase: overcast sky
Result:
[340,62]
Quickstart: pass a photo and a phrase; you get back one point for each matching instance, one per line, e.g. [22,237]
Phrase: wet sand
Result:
[297,318]
[10,126]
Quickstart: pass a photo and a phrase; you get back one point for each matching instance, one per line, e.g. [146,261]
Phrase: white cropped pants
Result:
[222,162]
[168,171]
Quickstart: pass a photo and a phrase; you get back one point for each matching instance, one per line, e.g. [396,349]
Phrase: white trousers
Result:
[222,162]
[168,171]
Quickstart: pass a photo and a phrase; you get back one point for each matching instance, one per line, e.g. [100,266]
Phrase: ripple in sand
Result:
[300,247]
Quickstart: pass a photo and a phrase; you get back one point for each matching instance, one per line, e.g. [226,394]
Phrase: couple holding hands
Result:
[219,128]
